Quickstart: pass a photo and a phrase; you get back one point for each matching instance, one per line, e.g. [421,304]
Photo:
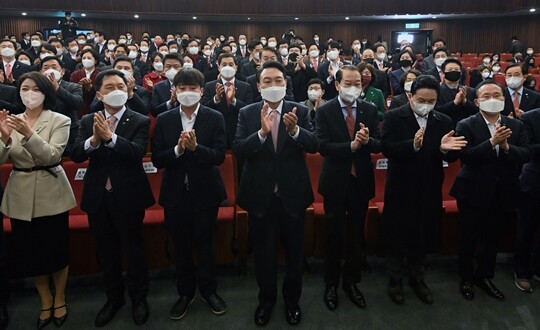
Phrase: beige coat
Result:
[35,194]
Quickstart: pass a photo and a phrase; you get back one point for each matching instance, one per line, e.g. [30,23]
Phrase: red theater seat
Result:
[314,165]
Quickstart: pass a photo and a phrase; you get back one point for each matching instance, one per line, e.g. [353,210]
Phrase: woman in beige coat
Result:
[38,195]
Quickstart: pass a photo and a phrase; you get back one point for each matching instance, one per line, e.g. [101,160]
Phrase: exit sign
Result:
[412,25]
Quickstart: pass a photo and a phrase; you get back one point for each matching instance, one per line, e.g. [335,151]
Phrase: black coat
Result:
[529,100]
[445,104]
[530,176]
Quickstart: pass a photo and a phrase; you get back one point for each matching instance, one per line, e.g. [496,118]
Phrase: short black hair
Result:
[441,49]
[107,73]
[193,39]
[425,81]
[316,81]
[253,43]
[451,60]
[189,77]
[269,65]
[37,34]
[513,65]
[283,42]
[12,42]
[173,56]
[92,52]
[56,40]
[124,59]
[44,85]
[438,40]
[339,73]
[48,58]
[407,51]
[48,47]
[270,49]
[486,82]
[124,46]
[404,77]
[377,45]
[223,55]
[333,44]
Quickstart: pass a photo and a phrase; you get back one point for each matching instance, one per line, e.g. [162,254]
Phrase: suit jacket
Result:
[445,104]
[160,96]
[330,88]
[252,81]
[434,72]
[32,53]
[530,175]
[38,193]
[244,96]
[264,168]
[529,100]
[122,164]
[428,64]
[139,102]
[69,64]
[398,101]
[394,81]
[69,99]
[249,69]
[8,99]
[382,83]
[17,71]
[336,149]
[300,81]
[483,170]
[413,197]
[200,166]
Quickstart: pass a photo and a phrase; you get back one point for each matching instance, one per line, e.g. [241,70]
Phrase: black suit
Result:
[529,100]
[70,65]
[161,94]
[252,81]
[191,209]
[272,212]
[487,191]
[243,95]
[17,71]
[413,198]
[346,196]
[330,87]
[529,212]
[69,99]
[139,102]
[116,217]
[249,69]
[446,105]
[300,81]
[8,99]
[382,82]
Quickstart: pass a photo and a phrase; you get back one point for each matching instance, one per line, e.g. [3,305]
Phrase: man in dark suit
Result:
[527,253]
[518,99]
[101,43]
[300,72]
[275,189]
[116,193]
[162,97]
[327,70]
[455,100]
[227,95]
[250,68]
[25,41]
[138,97]
[269,54]
[69,96]
[189,143]
[428,63]
[348,130]
[10,69]
[415,139]
[381,82]
[242,52]
[516,46]
[8,97]
[69,63]
[487,186]
[36,39]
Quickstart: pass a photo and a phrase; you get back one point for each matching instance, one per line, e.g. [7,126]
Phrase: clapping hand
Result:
[290,120]
[449,142]
[5,129]
[419,138]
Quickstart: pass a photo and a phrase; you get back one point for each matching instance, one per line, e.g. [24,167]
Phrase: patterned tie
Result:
[111,122]
[315,65]
[275,128]
[350,127]
[8,70]
[515,100]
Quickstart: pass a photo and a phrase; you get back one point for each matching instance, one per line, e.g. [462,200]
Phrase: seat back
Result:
[75,174]
[228,174]
[314,165]
[380,164]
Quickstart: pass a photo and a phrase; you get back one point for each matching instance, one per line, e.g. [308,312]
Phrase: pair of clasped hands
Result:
[187,140]
[8,123]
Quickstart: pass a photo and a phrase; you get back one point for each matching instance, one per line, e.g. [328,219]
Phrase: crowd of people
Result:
[270,100]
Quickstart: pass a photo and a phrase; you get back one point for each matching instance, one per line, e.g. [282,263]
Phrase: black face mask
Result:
[452,76]
[405,63]
[369,60]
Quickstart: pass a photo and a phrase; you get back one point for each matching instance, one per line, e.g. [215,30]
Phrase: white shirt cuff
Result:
[177,152]
[260,137]
[88,146]
[113,142]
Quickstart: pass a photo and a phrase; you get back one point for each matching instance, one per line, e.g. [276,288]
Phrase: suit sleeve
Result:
[307,140]
[157,104]
[480,153]
[73,98]
[327,148]
[521,152]
[213,154]
[133,149]
[534,139]
[289,96]
[394,83]
[139,101]
[162,154]
[246,144]
[394,145]
[78,154]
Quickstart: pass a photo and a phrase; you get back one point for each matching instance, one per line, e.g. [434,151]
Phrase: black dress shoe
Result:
[262,316]
[4,317]
[43,323]
[58,321]
[216,303]
[180,307]
[422,291]
[395,291]
[355,295]
[467,289]
[293,316]
[108,311]
[330,297]
[486,285]
[140,311]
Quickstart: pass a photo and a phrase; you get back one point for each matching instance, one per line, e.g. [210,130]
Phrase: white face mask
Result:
[332,55]
[88,63]
[27,62]
[111,47]
[439,61]
[122,41]
[422,109]
[170,74]
[492,106]
[32,99]
[407,86]
[207,52]
[350,94]
[116,99]
[158,66]
[381,56]
[303,52]
[126,73]
[316,39]
[144,49]
[273,94]
[228,72]
[74,49]
[187,99]
[242,42]
[129,37]
[164,53]
[272,44]
[187,66]
[193,50]
[81,42]
[263,42]
[173,50]
[35,43]
[7,52]
[485,74]
[133,54]
[314,53]
[284,51]
[496,68]
[314,94]
[233,50]
[530,52]
[486,60]
[209,42]
[57,74]
[257,56]
[514,82]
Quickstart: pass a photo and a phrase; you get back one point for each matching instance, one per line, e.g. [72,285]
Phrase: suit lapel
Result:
[410,118]
[42,121]
[340,120]
[524,104]
[124,123]
[482,128]
[200,120]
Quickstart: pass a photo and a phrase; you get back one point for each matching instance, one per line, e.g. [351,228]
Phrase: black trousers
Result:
[192,230]
[264,233]
[399,263]
[4,283]
[113,231]
[527,255]
[350,215]
[483,226]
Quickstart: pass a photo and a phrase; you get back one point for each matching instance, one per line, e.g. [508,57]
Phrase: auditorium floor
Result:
[450,310]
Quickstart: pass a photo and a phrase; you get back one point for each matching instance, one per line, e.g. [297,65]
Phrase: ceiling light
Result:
[194,17]
[347,18]
[83,15]
[434,17]
[532,10]
[136,16]
[296,18]
[249,18]
[24,14]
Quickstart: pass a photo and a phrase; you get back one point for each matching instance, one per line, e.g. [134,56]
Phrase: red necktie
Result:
[8,70]
[350,127]
[243,52]
[515,100]
[315,65]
